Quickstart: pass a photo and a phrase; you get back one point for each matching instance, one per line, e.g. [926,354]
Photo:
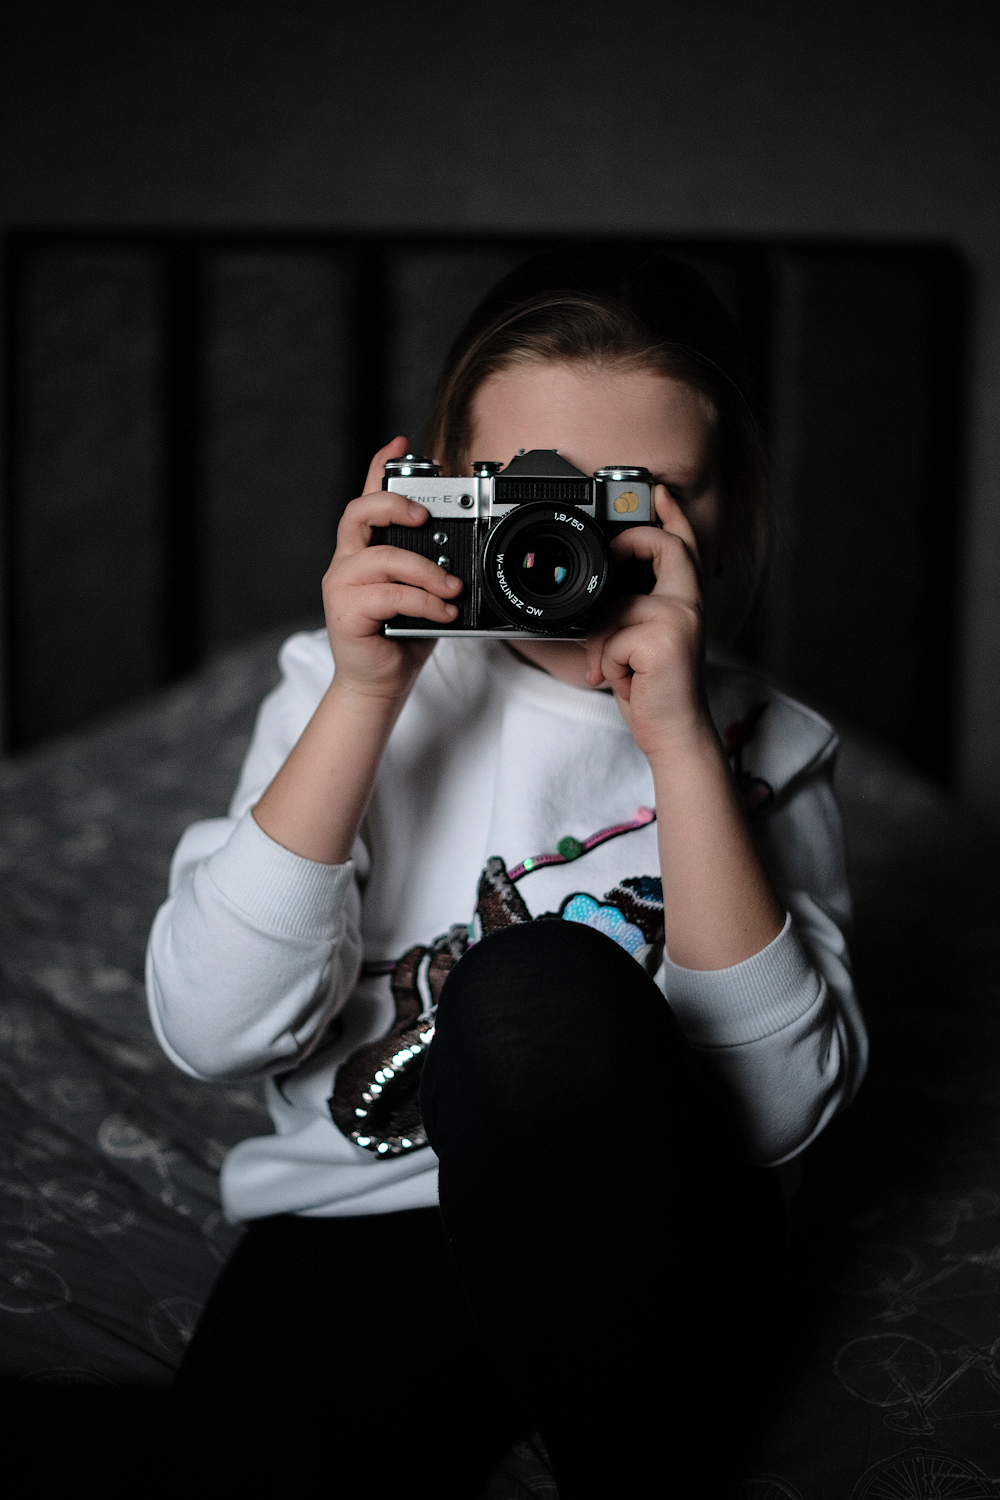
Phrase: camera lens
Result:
[545,567]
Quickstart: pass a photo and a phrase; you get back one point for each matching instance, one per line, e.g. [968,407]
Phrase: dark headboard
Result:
[186,417]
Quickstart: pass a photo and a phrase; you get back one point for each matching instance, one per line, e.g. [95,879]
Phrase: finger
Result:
[386,600]
[609,621]
[598,669]
[614,664]
[675,563]
[627,624]
[625,653]
[633,610]
[395,449]
[395,565]
[674,519]
[380,508]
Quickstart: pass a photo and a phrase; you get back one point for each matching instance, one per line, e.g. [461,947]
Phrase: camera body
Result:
[530,542]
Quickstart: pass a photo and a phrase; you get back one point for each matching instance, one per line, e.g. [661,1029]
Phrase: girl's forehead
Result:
[587,411]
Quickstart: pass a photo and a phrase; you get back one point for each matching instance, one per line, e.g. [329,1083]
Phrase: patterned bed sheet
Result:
[110,1227]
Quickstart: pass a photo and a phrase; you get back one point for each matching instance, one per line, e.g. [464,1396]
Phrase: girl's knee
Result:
[569,969]
[544,1018]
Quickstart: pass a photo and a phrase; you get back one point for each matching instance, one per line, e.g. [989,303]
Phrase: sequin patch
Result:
[606,919]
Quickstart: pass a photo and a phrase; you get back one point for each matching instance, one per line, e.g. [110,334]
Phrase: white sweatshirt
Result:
[257,950]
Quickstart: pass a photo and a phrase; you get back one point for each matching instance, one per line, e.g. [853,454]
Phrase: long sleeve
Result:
[255,949]
[783,1029]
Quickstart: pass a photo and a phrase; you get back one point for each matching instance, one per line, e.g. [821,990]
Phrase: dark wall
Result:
[189,415]
[772,120]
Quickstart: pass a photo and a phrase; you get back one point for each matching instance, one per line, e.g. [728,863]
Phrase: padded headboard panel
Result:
[187,416]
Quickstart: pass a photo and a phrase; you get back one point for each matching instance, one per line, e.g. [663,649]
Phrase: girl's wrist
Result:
[692,743]
[365,699]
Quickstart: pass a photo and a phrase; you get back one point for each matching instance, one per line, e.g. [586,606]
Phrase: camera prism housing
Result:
[531,542]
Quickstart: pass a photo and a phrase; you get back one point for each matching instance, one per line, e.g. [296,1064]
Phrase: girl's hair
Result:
[618,306]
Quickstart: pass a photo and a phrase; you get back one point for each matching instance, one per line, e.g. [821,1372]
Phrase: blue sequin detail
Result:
[646,887]
[606,919]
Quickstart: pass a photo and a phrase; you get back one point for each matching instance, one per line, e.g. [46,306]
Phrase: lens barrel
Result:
[545,567]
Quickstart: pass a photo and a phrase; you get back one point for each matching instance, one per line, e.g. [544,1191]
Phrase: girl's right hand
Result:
[364,586]
[315,804]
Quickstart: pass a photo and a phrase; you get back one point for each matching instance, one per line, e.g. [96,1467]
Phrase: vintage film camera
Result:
[530,542]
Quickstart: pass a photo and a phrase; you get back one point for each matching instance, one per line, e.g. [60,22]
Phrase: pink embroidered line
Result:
[644,815]
[372,968]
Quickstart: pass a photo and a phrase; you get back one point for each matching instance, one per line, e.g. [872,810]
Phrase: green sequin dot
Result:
[569,847]
[529,864]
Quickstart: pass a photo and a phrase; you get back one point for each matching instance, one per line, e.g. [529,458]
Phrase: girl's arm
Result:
[719,905]
[315,804]
[258,945]
[761,985]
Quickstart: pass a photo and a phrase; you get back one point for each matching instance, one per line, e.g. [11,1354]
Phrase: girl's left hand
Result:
[649,648]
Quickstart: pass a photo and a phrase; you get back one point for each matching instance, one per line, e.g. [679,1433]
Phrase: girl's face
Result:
[596,417]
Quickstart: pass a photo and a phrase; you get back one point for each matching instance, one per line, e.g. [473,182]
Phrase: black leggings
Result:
[600,1265]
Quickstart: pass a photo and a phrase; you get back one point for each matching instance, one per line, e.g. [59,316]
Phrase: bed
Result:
[186,415]
[110,1228]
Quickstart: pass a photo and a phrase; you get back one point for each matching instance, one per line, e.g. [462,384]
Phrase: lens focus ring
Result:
[545,567]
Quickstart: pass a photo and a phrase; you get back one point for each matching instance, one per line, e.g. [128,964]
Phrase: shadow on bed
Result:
[110,1230]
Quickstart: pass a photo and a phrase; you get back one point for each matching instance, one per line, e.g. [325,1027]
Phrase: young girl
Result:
[540,947]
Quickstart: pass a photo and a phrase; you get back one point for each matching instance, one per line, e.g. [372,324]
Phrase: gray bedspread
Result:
[110,1229]
[109,1209]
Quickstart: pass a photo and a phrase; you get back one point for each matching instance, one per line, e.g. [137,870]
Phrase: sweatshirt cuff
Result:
[278,889]
[751,1000]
